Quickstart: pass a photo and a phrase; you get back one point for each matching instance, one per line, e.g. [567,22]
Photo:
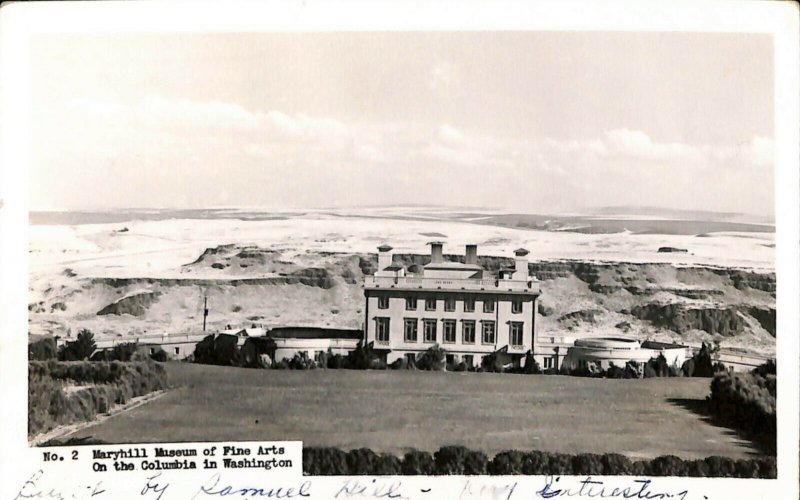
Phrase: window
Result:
[177,350]
[430,330]
[488,332]
[449,304]
[548,363]
[410,329]
[382,334]
[516,306]
[515,333]
[383,302]
[411,304]
[469,305]
[450,359]
[449,327]
[430,304]
[488,306]
[468,332]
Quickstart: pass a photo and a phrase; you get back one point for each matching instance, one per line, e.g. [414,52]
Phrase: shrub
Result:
[399,364]
[361,461]
[668,465]
[362,357]
[535,463]
[107,383]
[418,463]
[432,359]
[701,364]
[337,361]
[458,460]
[746,401]
[386,465]
[657,367]
[301,361]
[531,367]
[507,463]
[768,368]
[324,462]
[159,355]
[219,349]
[615,464]
[587,464]
[42,349]
[491,363]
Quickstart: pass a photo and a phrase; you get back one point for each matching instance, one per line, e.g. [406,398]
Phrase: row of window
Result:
[429,331]
[450,304]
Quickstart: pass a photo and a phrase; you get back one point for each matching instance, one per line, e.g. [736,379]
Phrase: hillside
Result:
[250,284]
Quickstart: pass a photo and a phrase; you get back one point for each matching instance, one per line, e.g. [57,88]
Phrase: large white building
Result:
[466,310]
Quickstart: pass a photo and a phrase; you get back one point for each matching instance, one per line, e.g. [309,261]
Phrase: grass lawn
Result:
[392,411]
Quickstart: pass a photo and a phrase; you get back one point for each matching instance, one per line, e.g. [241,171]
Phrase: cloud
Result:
[158,146]
[448,134]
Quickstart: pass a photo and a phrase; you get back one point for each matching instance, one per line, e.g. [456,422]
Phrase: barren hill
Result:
[249,284]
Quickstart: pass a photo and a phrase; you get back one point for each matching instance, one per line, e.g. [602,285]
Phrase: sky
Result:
[538,122]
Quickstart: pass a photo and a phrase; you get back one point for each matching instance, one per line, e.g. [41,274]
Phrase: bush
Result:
[701,364]
[324,462]
[361,358]
[301,361]
[159,355]
[106,383]
[531,367]
[668,465]
[491,363]
[458,460]
[418,463]
[221,349]
[387,465]
[432,359]
[360,461]
[657,367]
[336,361]
[746,401]
[507,463]
[42,349]
[587,464]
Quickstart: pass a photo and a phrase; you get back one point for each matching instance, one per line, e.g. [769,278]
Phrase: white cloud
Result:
[449,134]
[294,157]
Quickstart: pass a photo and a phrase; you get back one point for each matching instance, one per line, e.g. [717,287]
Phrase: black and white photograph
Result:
[469,252]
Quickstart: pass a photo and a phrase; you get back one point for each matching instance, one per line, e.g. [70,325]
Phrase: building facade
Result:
[466,310]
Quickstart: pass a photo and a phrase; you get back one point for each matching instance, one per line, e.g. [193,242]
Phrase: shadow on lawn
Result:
[758,443]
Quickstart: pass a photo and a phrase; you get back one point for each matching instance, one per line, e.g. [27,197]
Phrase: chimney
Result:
[521,264]
[384,257]
[471,255]
[436,252]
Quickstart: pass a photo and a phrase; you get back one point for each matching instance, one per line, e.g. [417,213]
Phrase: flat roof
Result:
[312,332]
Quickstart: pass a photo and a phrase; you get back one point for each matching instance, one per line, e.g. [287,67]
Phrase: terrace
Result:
[420,282]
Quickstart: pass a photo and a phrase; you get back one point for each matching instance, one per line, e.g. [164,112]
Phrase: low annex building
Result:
[605,351]
[467,310]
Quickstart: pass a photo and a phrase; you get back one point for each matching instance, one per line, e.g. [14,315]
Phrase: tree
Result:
[79,349]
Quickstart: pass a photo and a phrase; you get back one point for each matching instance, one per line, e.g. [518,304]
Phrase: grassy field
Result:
[392,411]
